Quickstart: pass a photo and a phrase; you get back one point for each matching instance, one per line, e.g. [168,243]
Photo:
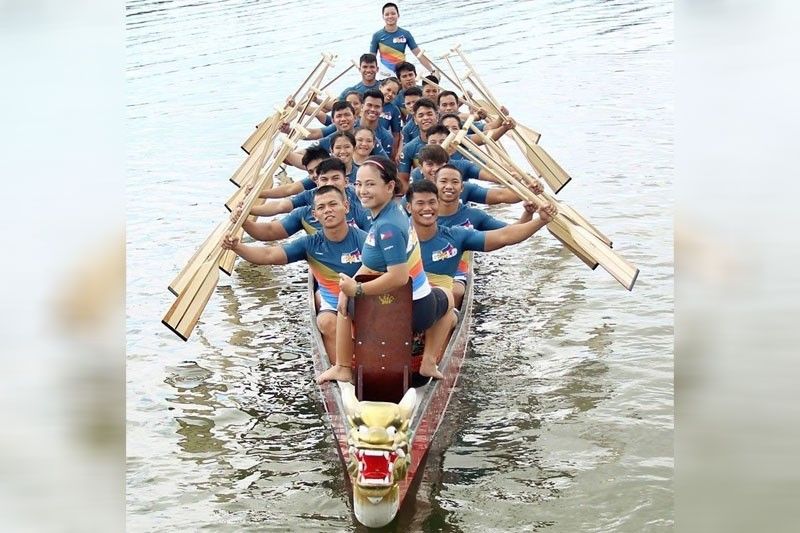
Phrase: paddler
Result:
[391,250]
[390,42]
[333,251]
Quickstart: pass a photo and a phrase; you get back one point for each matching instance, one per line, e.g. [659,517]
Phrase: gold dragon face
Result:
[379,452]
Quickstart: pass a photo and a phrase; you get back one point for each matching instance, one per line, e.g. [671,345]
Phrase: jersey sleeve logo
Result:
[445,253]
[370,239]
[386,234]
[467,224]
[351,257]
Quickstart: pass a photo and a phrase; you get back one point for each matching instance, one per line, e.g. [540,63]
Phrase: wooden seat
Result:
[383,342]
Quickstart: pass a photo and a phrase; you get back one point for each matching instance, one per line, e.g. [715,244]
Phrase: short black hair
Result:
[451,167]
[437,128]
[451,115]
[413,91]
[390,4]
[403,66]
[313,153]
[447,93]
[430,77]
[339,105]
[425,102]
[367,58]
[420,187]
[332,163]
[326,189]
[373,93]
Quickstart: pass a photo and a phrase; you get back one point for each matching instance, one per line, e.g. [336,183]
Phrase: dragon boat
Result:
[384,424]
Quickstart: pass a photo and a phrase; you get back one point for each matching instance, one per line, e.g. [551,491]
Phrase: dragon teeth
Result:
[400,453]
[374,499]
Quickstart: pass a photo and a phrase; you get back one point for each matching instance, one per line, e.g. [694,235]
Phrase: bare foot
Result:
[336,373]
[429,370]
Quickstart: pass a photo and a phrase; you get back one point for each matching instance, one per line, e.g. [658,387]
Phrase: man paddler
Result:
[334,250]
[442,246]
[391,41]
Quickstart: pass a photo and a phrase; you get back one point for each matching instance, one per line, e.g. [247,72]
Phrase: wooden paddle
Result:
[184,313]
[555,176]
[499,155]
[558,231]
[258,134]
[582,242]
[249,176]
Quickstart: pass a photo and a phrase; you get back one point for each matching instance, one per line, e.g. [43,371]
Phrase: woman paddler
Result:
[391,250]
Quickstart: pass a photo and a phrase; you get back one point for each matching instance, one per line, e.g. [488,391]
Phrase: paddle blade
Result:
[555,177]
[246,170]
[181,281]
[578,219]
[184,313]
[569,243]
[620,269]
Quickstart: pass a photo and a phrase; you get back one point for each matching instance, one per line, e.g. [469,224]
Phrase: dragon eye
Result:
[363,430]
[391,431]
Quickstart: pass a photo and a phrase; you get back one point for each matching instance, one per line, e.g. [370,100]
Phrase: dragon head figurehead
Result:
[379,454]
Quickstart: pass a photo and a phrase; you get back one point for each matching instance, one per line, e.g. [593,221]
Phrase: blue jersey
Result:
[360,88]
[327,259]
[302,217]
[409,156]
[472,218]
[410,131]
[384,139]
[392,241]
[392,46]
[442,253]
[351,176]
[390,117]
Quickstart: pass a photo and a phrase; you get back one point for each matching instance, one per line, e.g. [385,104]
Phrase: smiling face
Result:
[429,169]
[343,149]
[425,117]
[450,185]
[373,192]
[390,16]
[365,142]
[344,119]
[372,108]
[332,177]
[448,104]
[424,208]
[368,72]
[330,209]
[389,90]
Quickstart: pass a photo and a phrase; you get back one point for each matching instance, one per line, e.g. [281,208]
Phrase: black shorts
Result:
[426,311]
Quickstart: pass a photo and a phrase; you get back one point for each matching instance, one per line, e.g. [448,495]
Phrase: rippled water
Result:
[564,418]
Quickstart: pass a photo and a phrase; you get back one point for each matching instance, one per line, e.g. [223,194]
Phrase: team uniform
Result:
[326,259]
[392,46]
[390,118]
[302,216]
[360,88]
[441,254]
[392,241]
[410,131]
[469,218]
[409,155]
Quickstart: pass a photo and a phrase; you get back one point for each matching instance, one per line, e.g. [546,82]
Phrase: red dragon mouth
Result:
[376,467]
